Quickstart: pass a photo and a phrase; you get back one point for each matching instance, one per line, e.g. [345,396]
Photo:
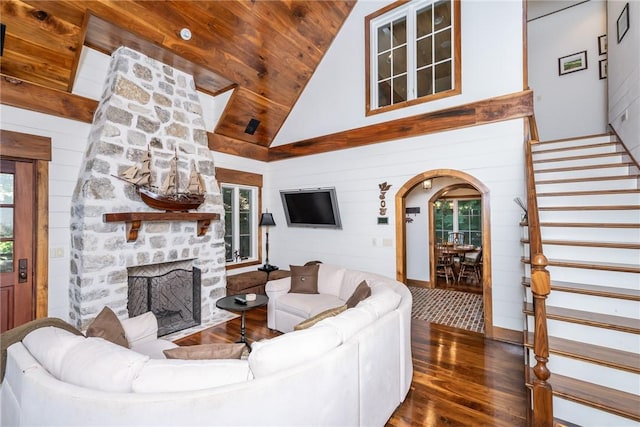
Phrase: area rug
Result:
[450,308]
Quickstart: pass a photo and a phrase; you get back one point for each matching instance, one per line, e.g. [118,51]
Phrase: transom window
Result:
[240,216]
[413,54]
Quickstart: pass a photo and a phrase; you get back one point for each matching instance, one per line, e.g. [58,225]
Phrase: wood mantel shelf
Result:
[134,220]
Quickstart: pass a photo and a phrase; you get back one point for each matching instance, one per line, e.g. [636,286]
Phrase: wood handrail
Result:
[540,288]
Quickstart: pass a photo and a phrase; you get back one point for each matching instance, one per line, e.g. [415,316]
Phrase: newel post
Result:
[542,392]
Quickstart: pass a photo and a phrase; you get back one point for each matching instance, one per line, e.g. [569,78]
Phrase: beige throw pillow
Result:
[107,325]
[318,317]
[304,279]
[206,351]
[361,292]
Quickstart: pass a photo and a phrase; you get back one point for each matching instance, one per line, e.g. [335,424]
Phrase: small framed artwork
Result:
[603,68]
[622,24]
[572,63]
[602,45]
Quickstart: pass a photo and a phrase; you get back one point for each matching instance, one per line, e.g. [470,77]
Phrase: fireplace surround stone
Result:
[145,105]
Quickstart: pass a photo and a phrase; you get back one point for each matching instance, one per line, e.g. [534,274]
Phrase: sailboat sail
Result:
[196,183]
[170,183]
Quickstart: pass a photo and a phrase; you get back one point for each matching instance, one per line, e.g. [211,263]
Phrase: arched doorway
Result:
[401,236]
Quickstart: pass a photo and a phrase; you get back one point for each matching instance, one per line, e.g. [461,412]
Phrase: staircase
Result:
[589,210]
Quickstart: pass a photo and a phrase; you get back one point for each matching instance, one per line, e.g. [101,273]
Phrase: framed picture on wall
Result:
[603,69]
[602,45]
[623,22]
[572,63]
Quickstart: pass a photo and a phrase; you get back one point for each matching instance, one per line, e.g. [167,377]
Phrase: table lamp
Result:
[266,220]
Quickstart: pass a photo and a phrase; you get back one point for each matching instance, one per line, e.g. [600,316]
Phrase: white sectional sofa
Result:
[348,370]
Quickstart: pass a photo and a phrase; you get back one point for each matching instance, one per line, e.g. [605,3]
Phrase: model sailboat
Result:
[168,197]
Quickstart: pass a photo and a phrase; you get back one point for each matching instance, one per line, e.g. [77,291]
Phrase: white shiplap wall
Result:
[490,153]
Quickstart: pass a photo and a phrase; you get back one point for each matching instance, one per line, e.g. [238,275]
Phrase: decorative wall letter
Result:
[384,187]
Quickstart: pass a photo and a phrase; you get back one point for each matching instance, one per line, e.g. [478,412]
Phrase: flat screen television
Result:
[317,208]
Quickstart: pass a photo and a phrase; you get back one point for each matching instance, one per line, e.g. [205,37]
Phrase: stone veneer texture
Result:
[144,104]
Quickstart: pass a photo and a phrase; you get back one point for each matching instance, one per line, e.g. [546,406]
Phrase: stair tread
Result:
[574,138]
[573,147]
[606,356]
[599,320]
[591,244]
[569,158]
[575,168]
[589,193]
[587,179]
[591,224]
[590,208]
[588,289]
[597,396]
[590,265]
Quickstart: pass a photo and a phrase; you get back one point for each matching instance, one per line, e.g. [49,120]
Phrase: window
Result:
[458,215]
[413,54]
[241,195]
[240,222]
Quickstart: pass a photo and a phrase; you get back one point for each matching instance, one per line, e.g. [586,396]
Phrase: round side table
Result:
[230,303]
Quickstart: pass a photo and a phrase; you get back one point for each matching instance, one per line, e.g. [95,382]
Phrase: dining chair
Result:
[471,267]
[444,264]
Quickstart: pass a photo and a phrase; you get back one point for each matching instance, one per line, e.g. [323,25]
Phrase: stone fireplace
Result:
[145,105]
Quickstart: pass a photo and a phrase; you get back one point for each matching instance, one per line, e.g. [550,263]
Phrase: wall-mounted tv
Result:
[317,208]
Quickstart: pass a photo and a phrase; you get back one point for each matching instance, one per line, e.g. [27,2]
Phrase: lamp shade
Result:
[266,219]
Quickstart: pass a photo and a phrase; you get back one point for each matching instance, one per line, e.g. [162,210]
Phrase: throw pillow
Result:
[304,279]
[361,292]
[318,317]
[206,351]
[107,325]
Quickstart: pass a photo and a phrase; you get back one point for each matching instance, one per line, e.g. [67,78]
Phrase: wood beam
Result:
[227,145]
[507,107]
[30,96]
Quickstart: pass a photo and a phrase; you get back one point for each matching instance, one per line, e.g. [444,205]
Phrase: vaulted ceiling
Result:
[266,50]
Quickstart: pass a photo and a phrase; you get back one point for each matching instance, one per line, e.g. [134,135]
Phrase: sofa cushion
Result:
[174,375]
[50,345]
[330,279]
[349,322]
[101,365]
[318,317]
[362,291]
[139,329]
[304,279]
[206,351]
[306,305]
[381,302]
[107,325]
[291,349]
[350,281]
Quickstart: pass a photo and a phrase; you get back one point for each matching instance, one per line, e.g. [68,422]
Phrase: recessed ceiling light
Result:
[185,34]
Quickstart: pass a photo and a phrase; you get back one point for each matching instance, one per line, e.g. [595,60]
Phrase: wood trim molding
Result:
[508,335]
[401,250]
[37,149]
[507,107]
[232,176]
[23,146]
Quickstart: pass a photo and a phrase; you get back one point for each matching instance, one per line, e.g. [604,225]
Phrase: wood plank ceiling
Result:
[266,50]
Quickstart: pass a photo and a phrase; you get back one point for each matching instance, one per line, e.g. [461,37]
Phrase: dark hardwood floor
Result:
[460,378]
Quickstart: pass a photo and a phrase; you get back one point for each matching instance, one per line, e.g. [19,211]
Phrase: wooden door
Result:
[17,200]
